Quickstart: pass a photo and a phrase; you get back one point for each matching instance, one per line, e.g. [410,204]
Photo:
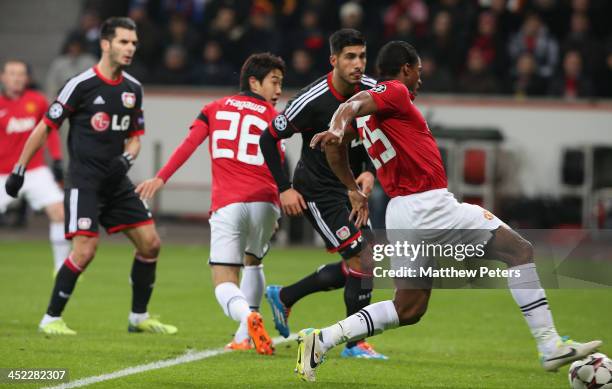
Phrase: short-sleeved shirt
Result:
[103,113]
[18,118]
[400,144]
[308,113]
[239,171]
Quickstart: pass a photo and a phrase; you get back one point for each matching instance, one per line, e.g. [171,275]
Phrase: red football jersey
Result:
[239,172]
[18,118]
[400,144]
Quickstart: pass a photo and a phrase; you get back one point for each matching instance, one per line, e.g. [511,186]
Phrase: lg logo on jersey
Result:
[101,121]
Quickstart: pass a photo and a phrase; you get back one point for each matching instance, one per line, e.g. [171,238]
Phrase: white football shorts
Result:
[241,228]
[436,217]
[39,189]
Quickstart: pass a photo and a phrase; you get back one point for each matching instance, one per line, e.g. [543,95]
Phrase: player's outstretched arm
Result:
[197,134]
[147,189]
[35,141]
[361,104]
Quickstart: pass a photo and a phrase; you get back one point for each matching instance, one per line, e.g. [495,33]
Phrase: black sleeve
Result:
[359,159]
[269,149]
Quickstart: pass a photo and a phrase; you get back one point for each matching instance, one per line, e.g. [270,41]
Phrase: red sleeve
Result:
[54,145]
[197,134]
[390,97]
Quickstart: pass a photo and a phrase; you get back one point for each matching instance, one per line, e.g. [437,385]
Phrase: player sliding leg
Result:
[410,304]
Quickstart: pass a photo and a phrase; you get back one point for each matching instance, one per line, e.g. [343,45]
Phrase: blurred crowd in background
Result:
[559,48]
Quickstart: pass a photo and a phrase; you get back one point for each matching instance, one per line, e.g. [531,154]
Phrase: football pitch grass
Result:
[467,339]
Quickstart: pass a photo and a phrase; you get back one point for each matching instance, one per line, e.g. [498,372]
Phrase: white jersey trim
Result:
[321,223]
[304,103]
[71,85]
[301,98]
[131,78]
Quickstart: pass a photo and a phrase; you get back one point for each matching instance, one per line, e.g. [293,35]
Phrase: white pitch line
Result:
[189,356]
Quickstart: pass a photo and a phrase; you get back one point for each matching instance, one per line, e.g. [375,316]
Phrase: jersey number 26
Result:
[244,123]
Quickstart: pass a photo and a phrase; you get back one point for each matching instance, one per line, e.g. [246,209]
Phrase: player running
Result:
[244,210]
[106,122]
[317,193]
[410,170]
[20,110]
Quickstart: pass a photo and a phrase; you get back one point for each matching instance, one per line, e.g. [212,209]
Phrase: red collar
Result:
[107,80]
[337,94]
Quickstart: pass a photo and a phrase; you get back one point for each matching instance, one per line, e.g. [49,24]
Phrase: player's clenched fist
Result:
[148,188]
[14,182]
[292,202]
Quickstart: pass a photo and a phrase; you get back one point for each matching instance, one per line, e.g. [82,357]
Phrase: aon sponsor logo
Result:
[16,125]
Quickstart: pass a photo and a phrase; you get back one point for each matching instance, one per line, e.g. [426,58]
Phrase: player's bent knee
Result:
[151,247]
[524,252]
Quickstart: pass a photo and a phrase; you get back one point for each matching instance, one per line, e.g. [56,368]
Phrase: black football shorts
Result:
[329,215]
[115,207]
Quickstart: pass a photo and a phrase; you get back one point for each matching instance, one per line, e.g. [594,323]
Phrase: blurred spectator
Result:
[148,39]
[477,78]
[174,68]
[71,62]
[604,82]
[88,31]
[525,80]
[435,79]
[534,38]
[572,82]
[404,31]
[227,32]
[507,22]
[180,33]
[416,13]
[445,48]
[552,14]
[259,35]
[213,69]
[309,36]
[579,38]
[302,71]
[489,42]
[351,16]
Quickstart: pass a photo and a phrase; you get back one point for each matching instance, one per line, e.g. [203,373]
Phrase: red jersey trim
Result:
[136,133]
[346,243]
[50,123]
[82,233]
[335,92]
[107,80]
[121,227]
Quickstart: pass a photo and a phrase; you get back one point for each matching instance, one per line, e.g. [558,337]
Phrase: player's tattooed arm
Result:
[132,146]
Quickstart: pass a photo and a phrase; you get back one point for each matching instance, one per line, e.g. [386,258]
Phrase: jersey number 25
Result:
[369,139]
[244,123]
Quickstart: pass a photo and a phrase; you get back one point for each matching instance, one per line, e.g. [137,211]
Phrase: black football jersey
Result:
[102,113]
[308,113]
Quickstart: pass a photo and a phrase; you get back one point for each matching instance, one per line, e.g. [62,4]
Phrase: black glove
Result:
[120,165]
[58,170]
[14,182]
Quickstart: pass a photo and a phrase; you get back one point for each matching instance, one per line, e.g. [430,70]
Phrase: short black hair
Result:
[392,56]
[343,38]
[258,66]
[110,25]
